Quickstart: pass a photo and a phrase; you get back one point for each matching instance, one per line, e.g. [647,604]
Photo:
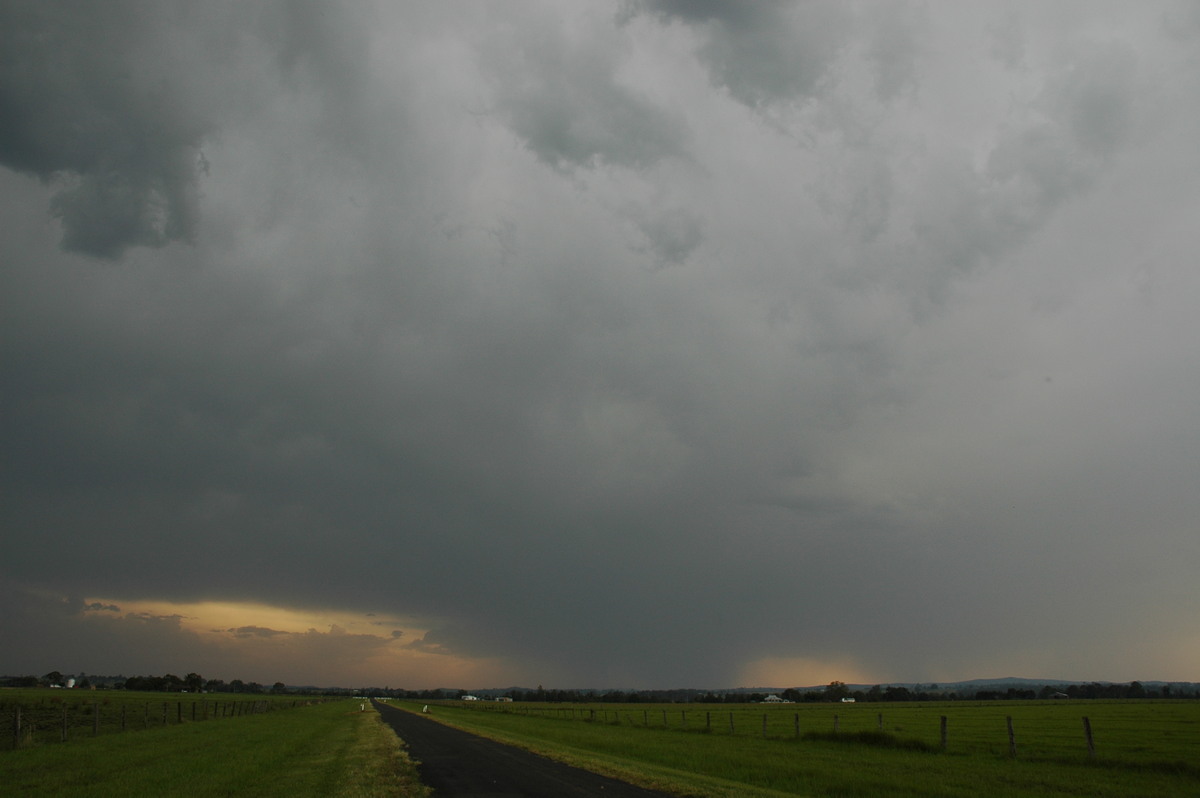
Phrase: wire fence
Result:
[1132,731]
[61,720]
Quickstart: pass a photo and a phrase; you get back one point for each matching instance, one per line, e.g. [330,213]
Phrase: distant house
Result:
[847,700]
[470,698]
[774,699]
[504,698]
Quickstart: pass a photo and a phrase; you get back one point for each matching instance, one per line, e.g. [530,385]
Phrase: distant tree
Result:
[237,686]
[279,687]
[836,691]
[53,677]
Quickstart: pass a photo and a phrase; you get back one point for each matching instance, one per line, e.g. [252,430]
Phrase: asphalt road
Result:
[457,764]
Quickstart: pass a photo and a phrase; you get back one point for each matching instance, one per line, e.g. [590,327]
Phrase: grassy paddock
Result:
[333,749]
[1142,747]
[44,713]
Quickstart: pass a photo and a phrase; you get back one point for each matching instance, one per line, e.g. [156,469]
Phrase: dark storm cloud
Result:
[672,234]
[562,99]
[94,103]
[111,104]
[51,630]
[500,319]
[255,631]
[764,53]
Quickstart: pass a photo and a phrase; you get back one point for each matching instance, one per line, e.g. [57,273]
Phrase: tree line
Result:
[167,683]
[833,692]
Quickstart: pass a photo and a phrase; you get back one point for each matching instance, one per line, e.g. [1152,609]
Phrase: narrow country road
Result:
[457,764]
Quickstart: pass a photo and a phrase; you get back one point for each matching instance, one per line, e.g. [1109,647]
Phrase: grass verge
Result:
[333,749]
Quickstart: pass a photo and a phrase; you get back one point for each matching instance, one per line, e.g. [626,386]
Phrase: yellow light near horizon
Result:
[801,672]
[206,617]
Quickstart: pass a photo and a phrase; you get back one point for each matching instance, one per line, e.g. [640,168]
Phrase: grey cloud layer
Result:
[112,104]
[595,341]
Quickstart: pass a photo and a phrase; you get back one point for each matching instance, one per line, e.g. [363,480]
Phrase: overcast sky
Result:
[596,344]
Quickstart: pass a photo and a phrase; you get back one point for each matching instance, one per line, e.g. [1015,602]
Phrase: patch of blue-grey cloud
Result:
[112,105]
[94,107]
[763,53]
[560,95]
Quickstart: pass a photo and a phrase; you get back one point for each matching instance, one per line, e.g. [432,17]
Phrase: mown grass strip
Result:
[329,750]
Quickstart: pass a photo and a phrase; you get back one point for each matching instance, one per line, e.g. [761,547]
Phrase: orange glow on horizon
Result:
[303,646]
[788,672]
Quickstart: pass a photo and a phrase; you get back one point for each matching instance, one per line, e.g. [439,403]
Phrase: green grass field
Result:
[51,715]
[1142,748]
[331,749]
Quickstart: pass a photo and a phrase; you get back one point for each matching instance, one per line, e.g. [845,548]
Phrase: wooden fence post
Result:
[880,718]
[64,728]
[179,712]
[796,722]
[764,725]
[731,731]
[1012,739]
[95,718]
[122,717]
[1087,733]
[835,723]
[708,721]
[17,728]
[943,732]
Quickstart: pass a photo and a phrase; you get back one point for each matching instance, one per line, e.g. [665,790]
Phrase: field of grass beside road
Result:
[34,716]
[1143,748]
[332,749]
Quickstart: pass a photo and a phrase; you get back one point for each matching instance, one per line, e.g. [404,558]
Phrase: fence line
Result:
[591,716]
[63,720]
